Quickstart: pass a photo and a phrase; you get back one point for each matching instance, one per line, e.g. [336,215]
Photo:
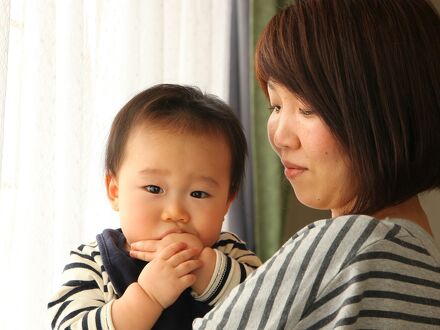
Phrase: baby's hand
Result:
[169,274]
[147,250]
[189,239]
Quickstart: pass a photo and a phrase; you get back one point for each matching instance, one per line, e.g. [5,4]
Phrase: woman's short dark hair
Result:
[371,70]
[182,109]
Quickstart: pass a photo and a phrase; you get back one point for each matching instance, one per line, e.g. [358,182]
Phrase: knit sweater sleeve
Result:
[234,263]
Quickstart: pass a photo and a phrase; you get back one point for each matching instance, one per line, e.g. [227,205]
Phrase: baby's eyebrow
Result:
[207,179]
[154,171]
[157,171]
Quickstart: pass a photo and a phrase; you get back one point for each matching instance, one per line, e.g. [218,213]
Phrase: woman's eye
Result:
[306,112]
[275,108]
[153,189]
[199,194]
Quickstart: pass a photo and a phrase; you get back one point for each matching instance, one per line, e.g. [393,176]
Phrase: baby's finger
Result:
[149,245]
[187,280]
[171,250]
[182,256]
[188,267]
[146,256]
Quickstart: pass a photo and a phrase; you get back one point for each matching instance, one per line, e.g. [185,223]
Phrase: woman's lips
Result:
[292,170]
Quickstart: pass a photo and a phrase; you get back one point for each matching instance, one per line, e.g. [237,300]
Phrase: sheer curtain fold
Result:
[66,68]
[4,37]
[241,214]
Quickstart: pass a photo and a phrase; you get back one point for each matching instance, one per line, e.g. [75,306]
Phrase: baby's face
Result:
[173,182]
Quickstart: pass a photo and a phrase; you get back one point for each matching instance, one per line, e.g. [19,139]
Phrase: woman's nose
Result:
[175,211]
[282,133]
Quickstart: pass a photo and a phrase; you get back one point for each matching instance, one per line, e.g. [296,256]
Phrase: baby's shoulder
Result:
[87,252]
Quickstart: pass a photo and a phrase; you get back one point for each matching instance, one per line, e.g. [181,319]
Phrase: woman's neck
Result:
[411,210]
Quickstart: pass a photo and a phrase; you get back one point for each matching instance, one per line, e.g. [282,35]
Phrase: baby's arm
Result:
[86,300]
[81,301]
[233,263]
[205,273]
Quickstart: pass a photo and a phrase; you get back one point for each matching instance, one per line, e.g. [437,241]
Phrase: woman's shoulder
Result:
[345,240]
[347,227]
[358,256]
[399,236]
[363,229]
[347,256]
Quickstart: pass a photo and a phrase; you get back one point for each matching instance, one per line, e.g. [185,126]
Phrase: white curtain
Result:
[66,68]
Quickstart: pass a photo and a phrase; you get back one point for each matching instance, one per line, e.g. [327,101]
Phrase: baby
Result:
[174,164]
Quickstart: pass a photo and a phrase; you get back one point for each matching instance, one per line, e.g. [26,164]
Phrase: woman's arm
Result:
[263,300]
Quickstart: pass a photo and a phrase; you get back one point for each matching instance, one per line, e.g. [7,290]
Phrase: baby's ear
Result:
[111,184]
[231,198]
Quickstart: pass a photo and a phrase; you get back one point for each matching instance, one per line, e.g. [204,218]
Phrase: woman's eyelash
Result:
[306,112]
[275,108]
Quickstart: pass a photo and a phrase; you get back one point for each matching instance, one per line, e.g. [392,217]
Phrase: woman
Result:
[355,119]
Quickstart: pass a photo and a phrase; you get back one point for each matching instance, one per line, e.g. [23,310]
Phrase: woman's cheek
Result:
[270,131]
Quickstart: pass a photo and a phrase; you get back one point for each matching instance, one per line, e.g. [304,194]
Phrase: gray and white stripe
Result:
[349,271]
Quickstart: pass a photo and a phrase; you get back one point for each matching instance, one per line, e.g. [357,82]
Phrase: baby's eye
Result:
[153,189]
[275,108]
[199,194]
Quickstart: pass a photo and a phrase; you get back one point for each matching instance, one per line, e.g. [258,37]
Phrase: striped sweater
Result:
[351,272]
[99,272]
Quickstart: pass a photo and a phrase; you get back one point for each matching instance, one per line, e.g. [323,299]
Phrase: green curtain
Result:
[271,190]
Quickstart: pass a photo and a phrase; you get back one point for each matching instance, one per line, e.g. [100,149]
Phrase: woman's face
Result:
[314,162]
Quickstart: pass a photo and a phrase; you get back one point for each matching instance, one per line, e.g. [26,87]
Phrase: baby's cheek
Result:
[210,239]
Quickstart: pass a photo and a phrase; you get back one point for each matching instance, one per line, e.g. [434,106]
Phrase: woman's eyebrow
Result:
[270,84]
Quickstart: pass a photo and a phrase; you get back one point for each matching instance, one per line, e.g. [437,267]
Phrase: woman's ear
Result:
[111,184]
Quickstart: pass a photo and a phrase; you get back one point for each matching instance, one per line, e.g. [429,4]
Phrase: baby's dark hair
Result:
[181,109]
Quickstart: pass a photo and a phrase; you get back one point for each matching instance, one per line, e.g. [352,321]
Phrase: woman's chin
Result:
[311,203]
